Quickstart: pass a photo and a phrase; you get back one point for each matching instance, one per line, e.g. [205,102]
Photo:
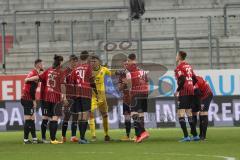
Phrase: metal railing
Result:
[176,40]
[139,38]
[90,10]
[72,36]
[226,6]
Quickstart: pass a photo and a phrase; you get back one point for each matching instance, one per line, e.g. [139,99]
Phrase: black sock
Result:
[192,126]
[194,118]
[33,129]
[26,128]
[53,129]
[183,126]
[200,127]
[141,122]
[82,128]
[204,122]
[136,129]
[74,128]
[137,125]
[64,128]
[44,128]
[85,125]
[128,127]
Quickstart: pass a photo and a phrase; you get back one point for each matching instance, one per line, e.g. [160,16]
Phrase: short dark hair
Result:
[95,57]
[37,61]
[73,58]
[182,54]
[84,55]
[132,56]
[57,60]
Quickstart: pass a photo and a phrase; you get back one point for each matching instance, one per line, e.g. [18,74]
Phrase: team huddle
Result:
[76,90]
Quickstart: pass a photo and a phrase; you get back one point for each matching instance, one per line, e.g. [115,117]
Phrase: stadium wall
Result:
[224,109]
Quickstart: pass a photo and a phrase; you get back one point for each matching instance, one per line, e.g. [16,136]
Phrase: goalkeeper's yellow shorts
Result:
[100,103]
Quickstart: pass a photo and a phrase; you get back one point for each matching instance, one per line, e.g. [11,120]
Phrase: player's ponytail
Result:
[57,61]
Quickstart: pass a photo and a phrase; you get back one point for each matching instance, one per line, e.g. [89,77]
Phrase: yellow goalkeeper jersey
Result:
[99,76]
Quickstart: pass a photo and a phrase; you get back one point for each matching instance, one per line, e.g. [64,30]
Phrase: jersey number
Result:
[51,81]
[189,75]
[81,74]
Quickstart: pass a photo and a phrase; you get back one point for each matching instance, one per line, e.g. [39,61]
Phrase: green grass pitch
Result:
[223,143]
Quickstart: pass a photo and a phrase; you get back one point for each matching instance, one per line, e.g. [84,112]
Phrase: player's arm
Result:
[194,78]
[93,85]
[63,83]
[108,72]
[34,104]
[121,86]
[128,80]
[32,76]
[92,80]
[115,72]
[181,81]
[63,94]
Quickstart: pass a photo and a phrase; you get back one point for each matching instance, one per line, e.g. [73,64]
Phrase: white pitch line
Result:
[197,155]
[147,153]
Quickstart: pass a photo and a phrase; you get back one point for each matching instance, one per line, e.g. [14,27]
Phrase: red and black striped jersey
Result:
[204,87]
[54,79]
[70,89]
[139,80]
[81,79]
[29,88]
[186,71]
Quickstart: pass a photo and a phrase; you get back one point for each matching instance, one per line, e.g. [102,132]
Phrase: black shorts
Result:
[53,109]
[126,109]
[27,107]
[185,102]
[44,108]
[206,103]
[71,109]
[196,105]
[82,104]
[139,103]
